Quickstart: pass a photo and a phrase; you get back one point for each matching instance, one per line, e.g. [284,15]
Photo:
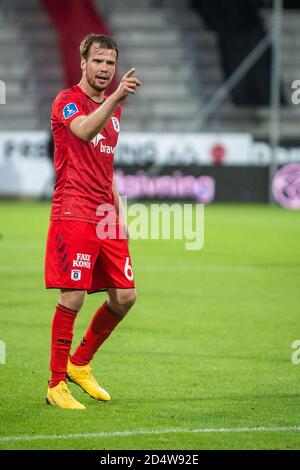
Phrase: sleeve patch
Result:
[69,110]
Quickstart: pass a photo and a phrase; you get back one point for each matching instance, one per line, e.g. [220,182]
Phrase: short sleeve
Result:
[66,108]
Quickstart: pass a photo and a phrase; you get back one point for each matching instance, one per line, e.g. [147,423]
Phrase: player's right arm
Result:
[86,127]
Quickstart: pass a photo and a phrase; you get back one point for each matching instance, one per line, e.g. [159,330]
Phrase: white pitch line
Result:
[146,432]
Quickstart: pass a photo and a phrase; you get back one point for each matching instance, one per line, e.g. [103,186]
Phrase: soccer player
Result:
[85,125]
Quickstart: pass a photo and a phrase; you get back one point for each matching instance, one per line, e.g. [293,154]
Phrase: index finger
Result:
[129,73]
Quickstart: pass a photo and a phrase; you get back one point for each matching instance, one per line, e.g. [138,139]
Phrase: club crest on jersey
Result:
[69,110]
[116,124]
[76,274]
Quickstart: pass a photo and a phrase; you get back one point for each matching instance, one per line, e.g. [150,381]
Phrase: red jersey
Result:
[84,170]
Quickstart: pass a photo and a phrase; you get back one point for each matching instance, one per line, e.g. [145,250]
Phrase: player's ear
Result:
[83,64]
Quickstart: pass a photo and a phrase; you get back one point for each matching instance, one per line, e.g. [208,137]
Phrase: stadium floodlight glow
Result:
[2,92]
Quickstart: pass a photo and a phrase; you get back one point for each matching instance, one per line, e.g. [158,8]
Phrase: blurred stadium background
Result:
[221,121]
[208,345]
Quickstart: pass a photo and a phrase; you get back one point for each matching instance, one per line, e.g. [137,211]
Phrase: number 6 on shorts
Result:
[128,269]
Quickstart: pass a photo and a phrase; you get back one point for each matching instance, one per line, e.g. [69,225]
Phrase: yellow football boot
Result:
[82,376]
[61,397]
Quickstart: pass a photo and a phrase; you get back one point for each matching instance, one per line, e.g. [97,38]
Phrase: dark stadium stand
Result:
[175,55]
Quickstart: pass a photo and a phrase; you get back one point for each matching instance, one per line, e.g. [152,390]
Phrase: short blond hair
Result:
[107,42]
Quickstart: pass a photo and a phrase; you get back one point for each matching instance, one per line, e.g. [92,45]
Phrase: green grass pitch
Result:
[207,346]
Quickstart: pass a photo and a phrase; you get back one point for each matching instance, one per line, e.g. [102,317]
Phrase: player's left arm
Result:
[119,208]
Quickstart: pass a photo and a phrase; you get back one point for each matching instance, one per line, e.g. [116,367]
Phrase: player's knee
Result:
[130,300]
[123,302]
[72,299]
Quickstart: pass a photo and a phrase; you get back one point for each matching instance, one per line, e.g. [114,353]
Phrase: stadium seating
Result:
[29,65]
[175,55]
[177,58]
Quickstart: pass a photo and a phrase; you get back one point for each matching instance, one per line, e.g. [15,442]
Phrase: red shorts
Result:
[77,259]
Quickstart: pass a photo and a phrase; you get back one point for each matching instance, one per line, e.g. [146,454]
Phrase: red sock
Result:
[61,341]
[103,323]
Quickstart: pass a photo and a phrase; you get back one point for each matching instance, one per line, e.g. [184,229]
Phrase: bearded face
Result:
[99,68]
